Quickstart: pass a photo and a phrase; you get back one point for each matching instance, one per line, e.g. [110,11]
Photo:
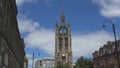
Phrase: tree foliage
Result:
[84,63]
[62,65]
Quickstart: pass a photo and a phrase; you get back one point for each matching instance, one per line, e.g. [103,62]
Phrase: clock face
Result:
[63,55]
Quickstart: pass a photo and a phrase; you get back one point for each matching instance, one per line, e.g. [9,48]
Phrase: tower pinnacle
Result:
[69,22]
[63,18]
[57,21]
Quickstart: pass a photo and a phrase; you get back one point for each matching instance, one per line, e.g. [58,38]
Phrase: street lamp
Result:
[33,58]
[114,32]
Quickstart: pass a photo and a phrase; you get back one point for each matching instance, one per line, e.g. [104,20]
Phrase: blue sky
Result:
[37,19]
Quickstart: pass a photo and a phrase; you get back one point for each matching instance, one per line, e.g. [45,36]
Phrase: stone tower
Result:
[63,49]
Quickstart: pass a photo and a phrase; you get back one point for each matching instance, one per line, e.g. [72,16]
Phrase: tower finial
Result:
[63,18]
[69,22]
[62,11]
[56,21]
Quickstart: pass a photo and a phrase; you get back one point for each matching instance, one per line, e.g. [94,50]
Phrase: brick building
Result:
[11,44]
[106,56]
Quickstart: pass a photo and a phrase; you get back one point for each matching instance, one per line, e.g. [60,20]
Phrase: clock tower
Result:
[63,49]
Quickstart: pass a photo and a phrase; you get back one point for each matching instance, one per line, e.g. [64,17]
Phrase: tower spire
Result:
[69,23]
[63,18]
[56,21]
[63,11]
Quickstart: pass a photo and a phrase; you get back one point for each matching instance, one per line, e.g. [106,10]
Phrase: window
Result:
[60,40]
[63,29]
[6,59]
[60,46]
[105,51]
[110,50]
[113,48]
[66,40]
[1,3]
[40,63]
[0,60]
[60,43]
[66,46]
[66,43]
[1,54]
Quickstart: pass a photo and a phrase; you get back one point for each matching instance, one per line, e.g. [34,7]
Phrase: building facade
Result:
[106,56]
[45,63]
[25,62]
[11,44]
[63,48]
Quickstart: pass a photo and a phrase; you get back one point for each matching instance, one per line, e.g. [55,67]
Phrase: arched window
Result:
[1,54]
[60,43]
[63,30]
[4,54]
[1,4]
[66,40]
[6,59]
[66,43]
[60,40]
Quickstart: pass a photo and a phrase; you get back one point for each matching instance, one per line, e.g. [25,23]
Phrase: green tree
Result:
[84,63]
[62,65]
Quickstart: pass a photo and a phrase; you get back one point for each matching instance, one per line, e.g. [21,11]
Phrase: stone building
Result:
[45,63]
[11,44]
[63,48]
[106,56]
[25,62]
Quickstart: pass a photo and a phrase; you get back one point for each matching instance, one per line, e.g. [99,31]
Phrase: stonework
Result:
[63,49]
[106,56]
[11,44]
[25,62]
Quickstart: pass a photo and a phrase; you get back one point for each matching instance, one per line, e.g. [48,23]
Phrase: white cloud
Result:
[109,8]
[83,44]
[21,2]
[43,39]
[27,25]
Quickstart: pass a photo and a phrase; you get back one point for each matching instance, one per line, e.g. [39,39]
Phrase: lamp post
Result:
[114,32]
[33,59]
